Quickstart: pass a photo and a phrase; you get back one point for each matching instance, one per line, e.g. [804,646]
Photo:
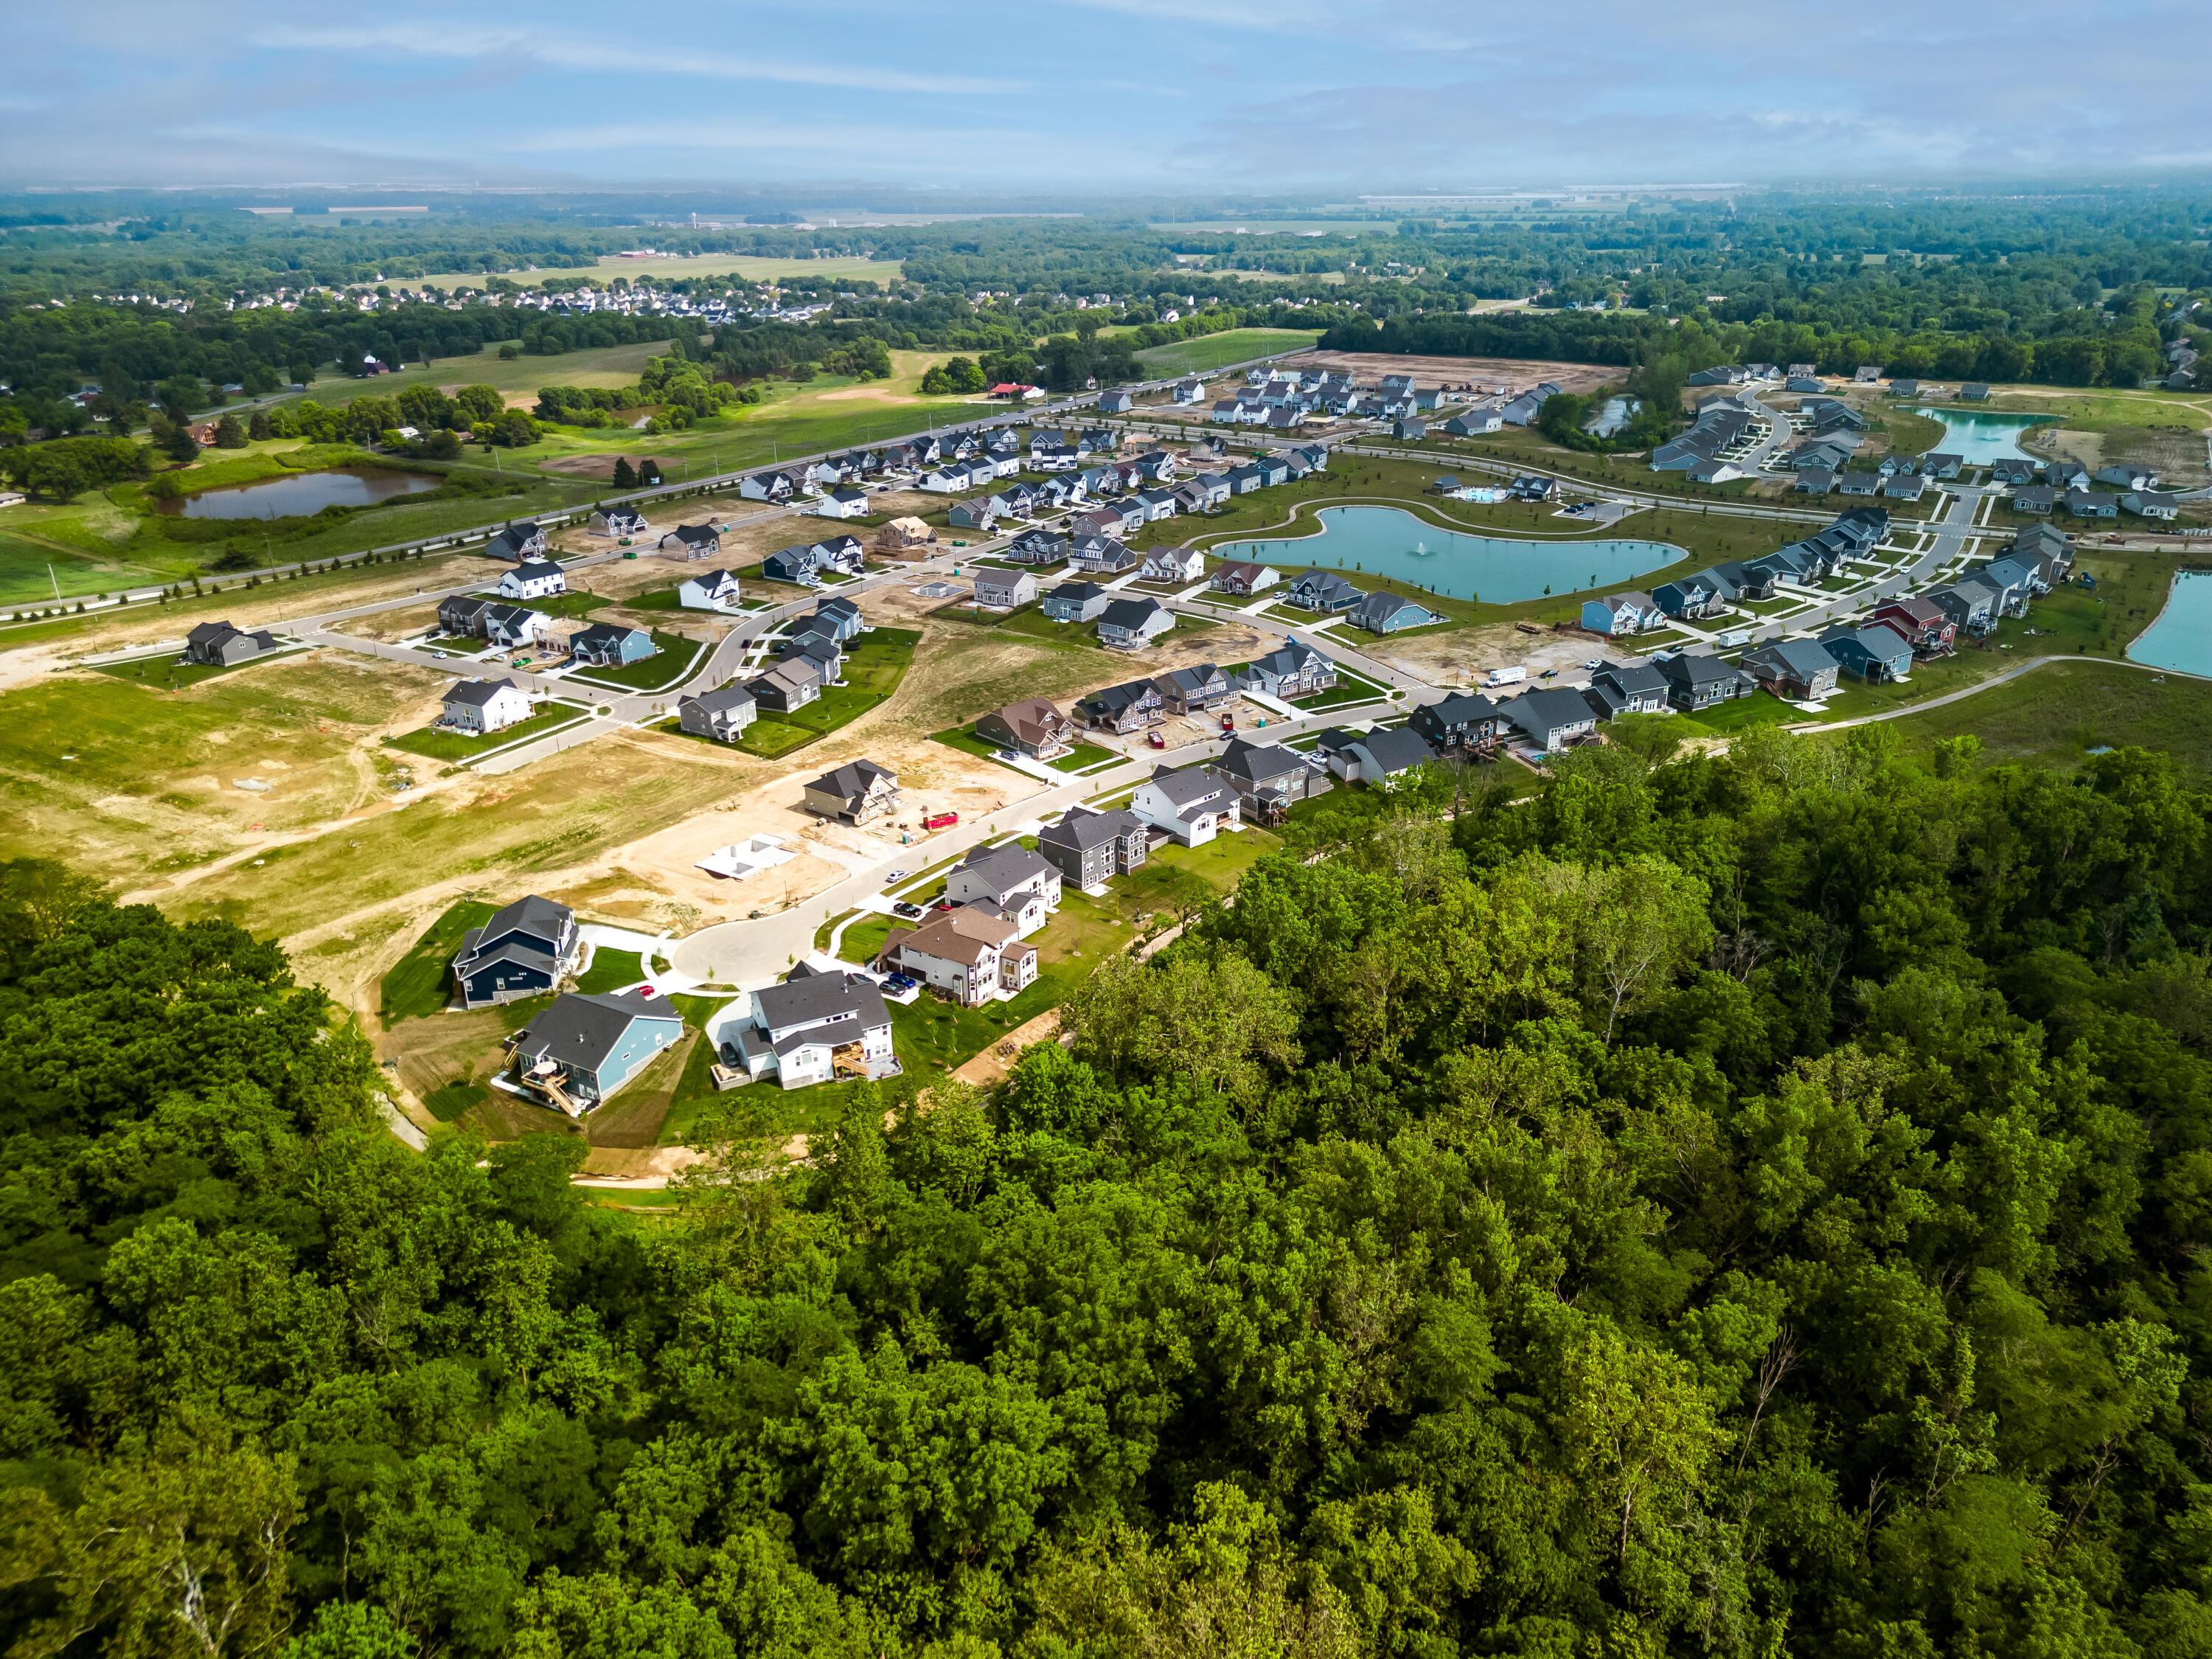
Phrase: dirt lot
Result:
[1464,655]
[1368,366]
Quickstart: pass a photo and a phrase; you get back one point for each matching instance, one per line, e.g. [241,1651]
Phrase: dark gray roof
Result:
[1005,867]
[1802,657]
[1395,749]
[716,702]
[1187,788]
[1131,613]
[814,998]
[475,694]
[1260,761]
[852,780]
[1084,829]
[533,915]
[582,1031]
[1545,710]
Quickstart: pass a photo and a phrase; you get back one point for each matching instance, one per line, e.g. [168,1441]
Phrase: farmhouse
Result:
[533,579]
[722,714]
[524,949]
[853,793]
[483,707]
[579,1051]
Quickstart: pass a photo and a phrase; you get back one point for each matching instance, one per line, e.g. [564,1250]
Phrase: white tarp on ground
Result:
[746,857]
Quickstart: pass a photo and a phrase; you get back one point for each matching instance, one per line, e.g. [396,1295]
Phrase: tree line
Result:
[1738,1204]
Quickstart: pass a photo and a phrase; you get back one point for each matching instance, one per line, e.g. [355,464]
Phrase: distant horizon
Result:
[1195,98]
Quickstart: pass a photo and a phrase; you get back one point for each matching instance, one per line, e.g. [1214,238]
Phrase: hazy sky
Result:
[1173,95]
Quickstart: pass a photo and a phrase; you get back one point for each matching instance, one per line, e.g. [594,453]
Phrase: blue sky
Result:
[1175,96]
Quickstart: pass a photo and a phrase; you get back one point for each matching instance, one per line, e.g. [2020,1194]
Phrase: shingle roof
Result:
[581,1031]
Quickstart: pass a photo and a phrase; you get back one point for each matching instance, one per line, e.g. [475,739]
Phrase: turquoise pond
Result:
[1982,436]
[1387,541]
[2181,638]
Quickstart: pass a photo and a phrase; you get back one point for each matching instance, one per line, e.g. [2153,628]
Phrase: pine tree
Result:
[625,475]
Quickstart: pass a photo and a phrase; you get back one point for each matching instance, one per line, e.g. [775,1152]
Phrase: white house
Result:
[1191,805]
[533,579]
[710,589]
[842,504]
[617,521]
[968,953]
[484,706]
[1018,885]
[1173,564]
[817,1027]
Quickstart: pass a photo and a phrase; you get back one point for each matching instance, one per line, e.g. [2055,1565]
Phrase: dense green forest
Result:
[1743,1205]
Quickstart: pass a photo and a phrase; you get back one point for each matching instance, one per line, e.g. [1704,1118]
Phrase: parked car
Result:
[909,912]
[902,983]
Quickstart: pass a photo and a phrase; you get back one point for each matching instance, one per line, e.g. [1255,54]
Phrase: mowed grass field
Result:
[599,366]
[753,268]
[1213,351]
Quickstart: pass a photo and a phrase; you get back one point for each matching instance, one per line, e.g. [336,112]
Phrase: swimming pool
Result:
[1389,541]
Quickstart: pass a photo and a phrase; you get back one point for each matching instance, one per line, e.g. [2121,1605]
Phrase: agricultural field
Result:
[1212,351]
[751,268]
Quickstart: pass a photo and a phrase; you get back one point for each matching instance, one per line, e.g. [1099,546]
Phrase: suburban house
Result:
[905,539]
[1927,628]
[1076,602]
[219,645]
[1173,564]
[520,539]
[1291,671]
[816,1027]
[2152,503]
[523,949]
[1195,689]
[2092,503]
[1870,653]
[1797,670]
[1858,483]
[1373,757]
[817,645]
[1192,806]
[610,645]
[579,1051]
[1970,604]
[1615,614]
[1115,403]
[1462,720]
[843,503]
[794,564]
[1627,688]
[1390,613]
[968,953]
[1123,709]
[1101,556]
[1551,719]
[1037,547]
[710,589]
[533,579]
[1088,846]
[1700,595]
[1269,778]
[1131,624]
[790,684]
[2033,498]
[1244,579]
[976,513]
[460,616]
[693,541]
[617,521]
[513,624]
[1698,680]
[1005,590]
[1033,727]
[853,793]
[1321,590]
[483,706]
[722,714]
[772,486]
[1015,884]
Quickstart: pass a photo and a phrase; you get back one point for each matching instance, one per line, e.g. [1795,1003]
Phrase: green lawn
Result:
[436,745]
[2054,715]
[675,658]
[611,971]
[421,982]
[163,672]
[963,739]
[449,1100]
[878,663]
[769,737]
[1212,351]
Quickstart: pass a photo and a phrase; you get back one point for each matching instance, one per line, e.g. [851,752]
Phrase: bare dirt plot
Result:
[1516,372]
[1463,655]
[581,466]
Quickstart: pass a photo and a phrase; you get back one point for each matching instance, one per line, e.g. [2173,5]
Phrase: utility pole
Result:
[55,580]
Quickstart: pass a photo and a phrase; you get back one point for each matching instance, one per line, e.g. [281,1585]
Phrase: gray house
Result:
[1088,846]
[1076,602]
[1698,680]
[1552,719]
[1270,777]
[610,645]
[1321,590]
[1005,590]
[217,644]
[1130,624]
[1390,613]
[855,793]
[1465,720]
[722,714]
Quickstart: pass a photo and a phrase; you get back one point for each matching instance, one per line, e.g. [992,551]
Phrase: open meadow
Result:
[1210,351]
[669,268]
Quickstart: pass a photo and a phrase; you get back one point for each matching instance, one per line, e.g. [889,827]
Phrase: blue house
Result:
[1321,590]
[1872,653]
[609,645]
[791,564]
[524,950]
[842,616]
[1388,613]
[577,1052]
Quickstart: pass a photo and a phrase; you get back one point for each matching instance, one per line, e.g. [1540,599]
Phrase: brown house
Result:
[905,539]
[1033,726]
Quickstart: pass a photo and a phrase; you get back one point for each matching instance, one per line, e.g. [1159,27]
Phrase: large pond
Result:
[1981,436]
[2181,638]
[1387,541]
[301,495]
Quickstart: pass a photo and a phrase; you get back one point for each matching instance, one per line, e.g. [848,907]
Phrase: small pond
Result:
[1981,435]
[1387,541]
[302,493]
[2181,638]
